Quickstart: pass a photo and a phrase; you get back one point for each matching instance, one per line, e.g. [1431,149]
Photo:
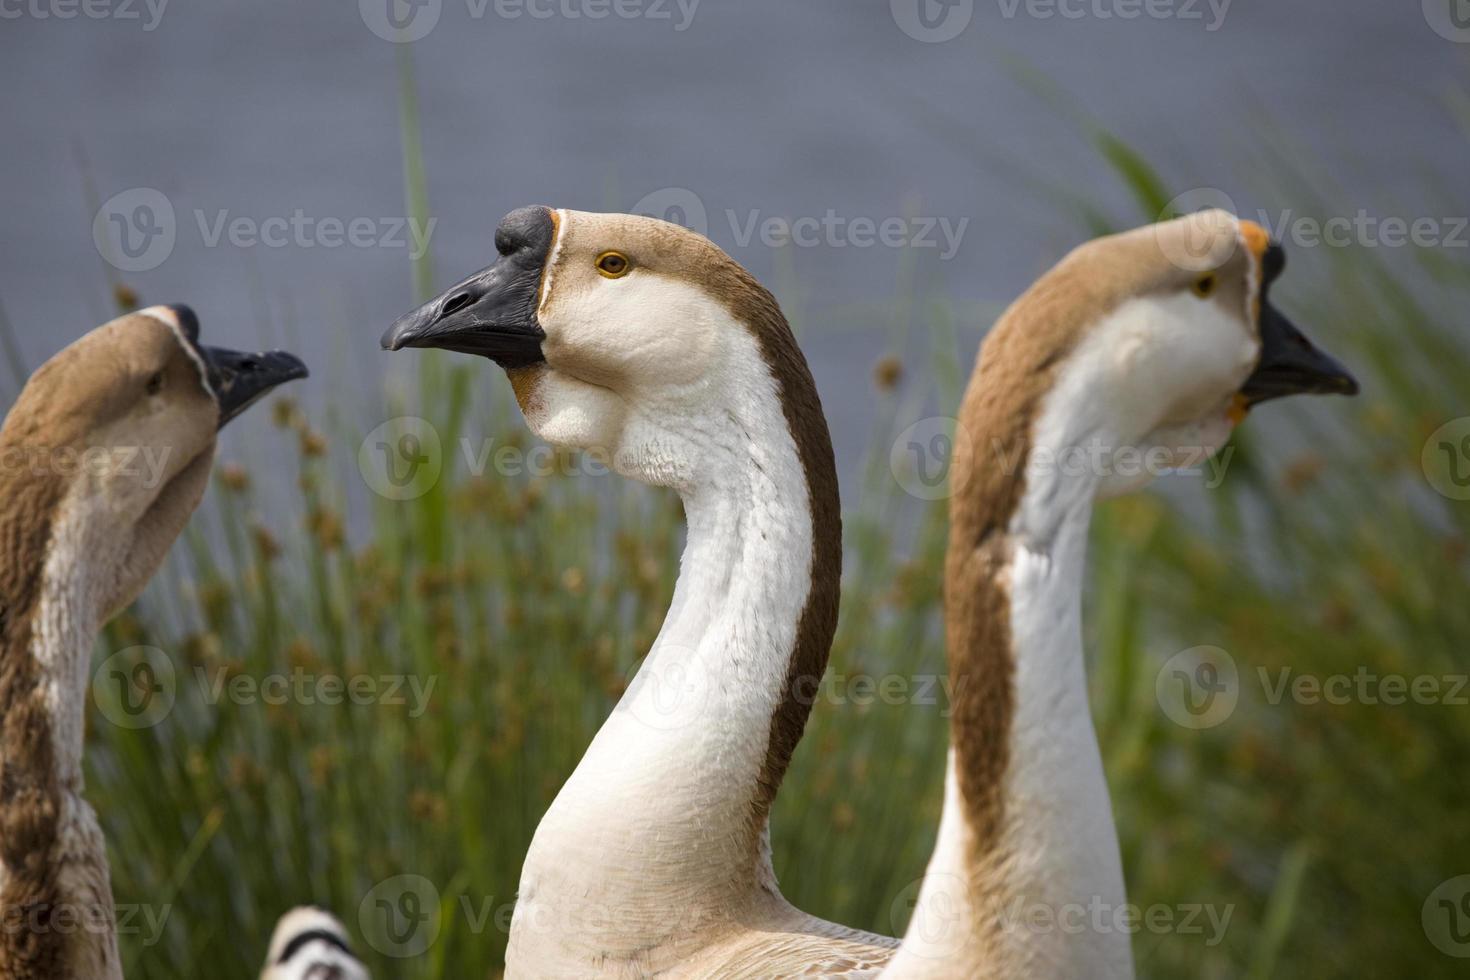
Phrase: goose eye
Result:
[613,265]
[155,383]
[1204,286]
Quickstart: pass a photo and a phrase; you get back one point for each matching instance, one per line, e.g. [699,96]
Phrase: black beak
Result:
[1290,364]
[237,379]
[240,380]
[493,312]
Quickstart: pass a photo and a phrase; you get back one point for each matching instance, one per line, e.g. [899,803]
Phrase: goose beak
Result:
[235,378]
[492,314]
[1291,364]
[239,380]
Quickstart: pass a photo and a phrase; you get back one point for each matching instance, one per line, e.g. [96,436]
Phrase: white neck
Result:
[657,839]
[63,632]
[66,628]
[1056,860]
[1062,827]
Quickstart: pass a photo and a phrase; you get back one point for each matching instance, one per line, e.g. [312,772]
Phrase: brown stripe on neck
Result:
[1018,366]
[30,799]
[752,304]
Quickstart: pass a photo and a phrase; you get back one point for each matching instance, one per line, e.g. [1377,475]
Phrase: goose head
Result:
[622,334]
[310,943]
[1155,342]
[117,431]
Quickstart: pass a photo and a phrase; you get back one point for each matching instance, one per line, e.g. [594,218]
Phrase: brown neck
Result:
[30,798]
[1017,368]
[802,409]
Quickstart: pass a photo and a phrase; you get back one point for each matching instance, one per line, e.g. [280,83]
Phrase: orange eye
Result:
[1203,286]
[613,265]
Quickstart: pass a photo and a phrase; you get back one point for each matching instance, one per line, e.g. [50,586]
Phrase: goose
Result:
[1156,340]
[309,943]
[639,339]
[103,458]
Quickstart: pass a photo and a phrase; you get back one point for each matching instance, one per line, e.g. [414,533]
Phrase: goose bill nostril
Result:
[456,303]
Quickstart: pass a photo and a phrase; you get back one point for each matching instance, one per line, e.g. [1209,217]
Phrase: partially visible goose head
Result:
[622,334]
[1156,341]
[309,943]
[118,432]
